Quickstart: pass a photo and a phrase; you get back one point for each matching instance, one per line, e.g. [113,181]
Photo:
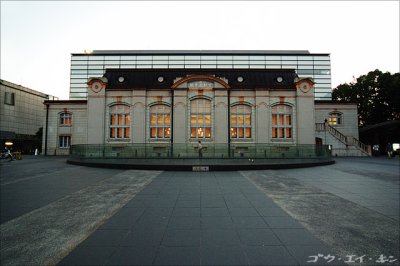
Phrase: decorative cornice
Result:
[200,77]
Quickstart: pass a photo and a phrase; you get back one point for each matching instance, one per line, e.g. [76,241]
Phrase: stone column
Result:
[96,110]
[305,111]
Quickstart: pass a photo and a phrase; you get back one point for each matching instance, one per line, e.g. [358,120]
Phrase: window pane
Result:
[153,120]
[241,132]
[127,132]
[119,132]
[234,120]
[233,133]
[248,121]
[160,132]
[207,119]
[120,120]
[240,120]
[127,120]
[208,106]
[159,120]
[112,132]
[201,106]
[288,132]
[234,109]
[247,109]
[248,132]
[208,132]
[274,133]
[200,120]
[274,122]
[167,132]
[281,133]
[193,120]
[289,120]
[152,132]
[112,120]
[153,109]
[167,120]
[193,132]
[194,106]
[200,132]
[281,120]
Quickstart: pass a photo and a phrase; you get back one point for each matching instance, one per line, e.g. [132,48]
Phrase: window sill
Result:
[118,140]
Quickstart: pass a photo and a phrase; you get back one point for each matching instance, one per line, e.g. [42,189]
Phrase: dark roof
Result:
[65,102]
[382,125]
[148,78]
[332,102]
[200,52]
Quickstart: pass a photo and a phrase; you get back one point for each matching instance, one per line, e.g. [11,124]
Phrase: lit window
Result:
[281,122]
[119,122]
[64,141]
[160,121]
[66,119]
[200,119]
[241,122]
[335,118]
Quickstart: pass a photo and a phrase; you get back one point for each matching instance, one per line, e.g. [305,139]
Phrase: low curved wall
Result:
[175,164]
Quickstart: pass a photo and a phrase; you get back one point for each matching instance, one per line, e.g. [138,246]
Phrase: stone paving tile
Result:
[269,255]
[139,255]
[85,255]
[282,222]
[296,237]
[178,256]
[182,238]
[221,221]
[258,237]
[219,237]
[225,255]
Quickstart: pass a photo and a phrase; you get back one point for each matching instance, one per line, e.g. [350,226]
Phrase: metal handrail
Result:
[190,150]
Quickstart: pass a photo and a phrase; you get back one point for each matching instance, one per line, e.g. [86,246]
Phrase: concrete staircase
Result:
[342,145]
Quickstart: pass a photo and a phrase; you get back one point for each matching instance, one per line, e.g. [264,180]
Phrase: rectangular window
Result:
[240,121]
[119,122]
[66,119]
[281,122]
[9,98]
[160,121]
[200,118]
[64,141]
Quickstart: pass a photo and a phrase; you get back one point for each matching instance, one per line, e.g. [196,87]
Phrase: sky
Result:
[38,37]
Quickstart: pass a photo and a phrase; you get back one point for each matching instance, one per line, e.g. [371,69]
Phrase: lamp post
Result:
[326,120]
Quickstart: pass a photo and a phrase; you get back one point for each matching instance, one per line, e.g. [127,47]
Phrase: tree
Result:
[377,96]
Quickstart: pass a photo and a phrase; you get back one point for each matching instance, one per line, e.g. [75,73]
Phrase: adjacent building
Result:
[95,64]
[21,116]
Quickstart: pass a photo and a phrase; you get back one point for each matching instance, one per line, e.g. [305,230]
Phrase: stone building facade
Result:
[182,106]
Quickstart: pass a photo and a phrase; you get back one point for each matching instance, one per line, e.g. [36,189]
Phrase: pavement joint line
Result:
[56,229]
[354,229]
[35,176]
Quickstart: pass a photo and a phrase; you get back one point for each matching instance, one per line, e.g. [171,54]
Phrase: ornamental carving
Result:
[97,84]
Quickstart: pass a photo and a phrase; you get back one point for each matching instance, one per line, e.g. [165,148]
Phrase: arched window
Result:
[200,118]
[241,121]
[160,121]
[65,119]
[119,122]
[335,118]
[281,121]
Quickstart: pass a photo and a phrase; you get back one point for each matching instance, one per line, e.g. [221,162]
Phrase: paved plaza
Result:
[341,214]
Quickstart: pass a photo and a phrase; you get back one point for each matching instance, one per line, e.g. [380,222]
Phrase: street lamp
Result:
[326,120]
